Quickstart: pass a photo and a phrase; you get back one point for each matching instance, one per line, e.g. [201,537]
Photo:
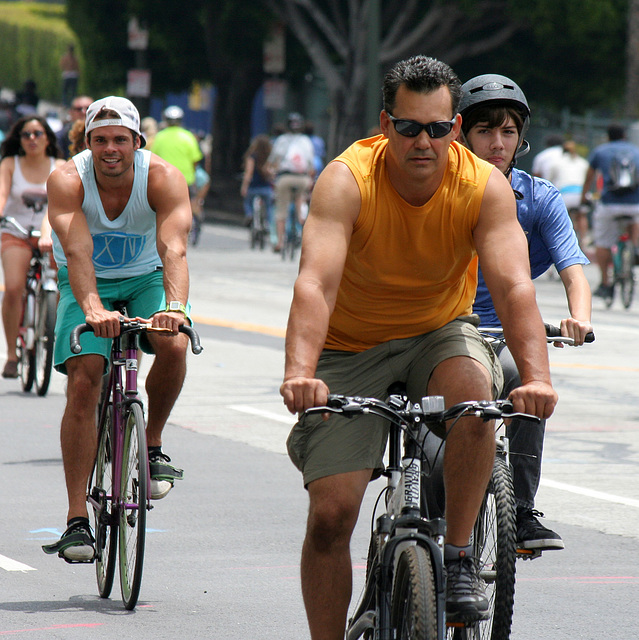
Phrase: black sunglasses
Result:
[412,128]
[27,135]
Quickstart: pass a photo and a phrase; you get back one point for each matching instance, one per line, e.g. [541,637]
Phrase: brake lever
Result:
[522,416]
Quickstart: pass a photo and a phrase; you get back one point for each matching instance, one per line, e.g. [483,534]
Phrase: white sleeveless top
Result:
[124,247]
[21,192]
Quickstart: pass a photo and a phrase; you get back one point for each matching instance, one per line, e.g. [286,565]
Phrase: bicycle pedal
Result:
[528,554]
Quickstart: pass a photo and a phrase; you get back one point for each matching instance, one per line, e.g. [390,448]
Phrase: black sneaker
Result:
[466,600]
[77,543]
[605,291]
[531,534]
[163,474]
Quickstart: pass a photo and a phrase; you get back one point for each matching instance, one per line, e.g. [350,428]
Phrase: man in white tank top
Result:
[121,218]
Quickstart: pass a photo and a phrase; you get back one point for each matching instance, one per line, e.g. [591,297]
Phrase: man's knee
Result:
[333,512]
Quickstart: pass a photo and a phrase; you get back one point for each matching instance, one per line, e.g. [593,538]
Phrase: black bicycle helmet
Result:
[493,89]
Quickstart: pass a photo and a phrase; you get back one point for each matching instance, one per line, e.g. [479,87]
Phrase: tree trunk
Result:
[631,108]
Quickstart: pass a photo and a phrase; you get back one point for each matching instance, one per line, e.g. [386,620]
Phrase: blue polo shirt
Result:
[549,232]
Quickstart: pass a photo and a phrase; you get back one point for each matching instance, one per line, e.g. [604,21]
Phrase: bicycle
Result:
[119,486]
[405,594]
[259,225]
[293,231]
[37,319]
[623,262]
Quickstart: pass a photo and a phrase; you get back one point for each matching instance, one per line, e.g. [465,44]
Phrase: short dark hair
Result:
[493,115]
[423,75]
[616,132]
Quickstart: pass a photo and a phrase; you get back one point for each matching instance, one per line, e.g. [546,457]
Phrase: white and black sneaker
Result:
[163,474]
[532,535]
[77,543]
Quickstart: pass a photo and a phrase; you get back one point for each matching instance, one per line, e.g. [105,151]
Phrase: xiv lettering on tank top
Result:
[124,247]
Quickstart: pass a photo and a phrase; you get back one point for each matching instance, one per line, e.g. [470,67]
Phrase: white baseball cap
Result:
[128,115]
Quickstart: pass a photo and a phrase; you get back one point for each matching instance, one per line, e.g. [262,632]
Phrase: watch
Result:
[174,305]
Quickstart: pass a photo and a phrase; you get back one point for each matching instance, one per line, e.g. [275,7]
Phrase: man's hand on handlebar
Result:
[105,323]
[536,398]
[575,329]
[301,393]
[171,320]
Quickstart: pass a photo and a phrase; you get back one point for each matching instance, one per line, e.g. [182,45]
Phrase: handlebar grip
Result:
[196,347]
[555,332]
[74,339]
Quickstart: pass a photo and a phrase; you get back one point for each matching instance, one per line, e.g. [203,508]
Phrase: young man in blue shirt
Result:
[495,117]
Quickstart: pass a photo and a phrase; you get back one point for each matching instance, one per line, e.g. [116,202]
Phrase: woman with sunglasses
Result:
[29,154]
[495,118]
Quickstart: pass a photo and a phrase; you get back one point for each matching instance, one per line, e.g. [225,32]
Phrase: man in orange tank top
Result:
[387,279]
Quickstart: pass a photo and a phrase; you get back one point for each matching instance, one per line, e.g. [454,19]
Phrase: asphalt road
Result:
[223,547]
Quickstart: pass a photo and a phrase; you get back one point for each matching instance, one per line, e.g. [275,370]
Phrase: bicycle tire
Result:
[45,329]
[106,530]
[26,359]
[132,510]
[494,541]
[414,601]
[626,276]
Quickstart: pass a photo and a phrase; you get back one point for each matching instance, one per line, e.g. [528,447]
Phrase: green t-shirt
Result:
[179,147]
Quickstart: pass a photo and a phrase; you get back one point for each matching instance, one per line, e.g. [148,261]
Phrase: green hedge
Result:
[33,37]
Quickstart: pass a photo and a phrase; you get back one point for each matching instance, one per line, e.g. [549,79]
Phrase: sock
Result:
[452,552]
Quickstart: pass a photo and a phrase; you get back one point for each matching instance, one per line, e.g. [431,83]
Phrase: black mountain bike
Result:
[405,593]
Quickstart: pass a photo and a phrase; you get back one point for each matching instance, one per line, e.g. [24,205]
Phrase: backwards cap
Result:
[128,115]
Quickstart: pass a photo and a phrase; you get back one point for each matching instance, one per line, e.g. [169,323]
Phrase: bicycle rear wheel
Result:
[132,512]
[106,530]
[494,541]
[414,602]
[626,276]
[47,303]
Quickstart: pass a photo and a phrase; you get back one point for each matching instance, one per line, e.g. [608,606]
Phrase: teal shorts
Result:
[143,295]
[320,448]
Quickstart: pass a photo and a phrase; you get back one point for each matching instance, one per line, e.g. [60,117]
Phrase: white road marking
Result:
[590,493]
[244,408]
[13,565]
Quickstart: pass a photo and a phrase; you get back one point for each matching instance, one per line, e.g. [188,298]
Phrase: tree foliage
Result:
[562,52]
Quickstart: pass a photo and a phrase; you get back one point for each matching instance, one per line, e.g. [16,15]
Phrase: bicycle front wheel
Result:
[106,530]
[414,602]
[47,303]
[494,541]
[132,511]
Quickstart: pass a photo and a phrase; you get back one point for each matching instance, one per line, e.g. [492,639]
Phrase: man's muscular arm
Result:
[65,193]
[168,195]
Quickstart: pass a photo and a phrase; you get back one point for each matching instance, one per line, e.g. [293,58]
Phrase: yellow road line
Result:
[241,326]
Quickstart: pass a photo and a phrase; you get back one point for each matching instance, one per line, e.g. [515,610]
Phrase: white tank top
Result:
[124,247]
[23,193]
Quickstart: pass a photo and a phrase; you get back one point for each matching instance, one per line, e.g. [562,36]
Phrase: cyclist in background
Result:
[293,163]
[495,118]
[120,217]
[257,179]
[386,284]
[179,147]
[29,154]
[614,201]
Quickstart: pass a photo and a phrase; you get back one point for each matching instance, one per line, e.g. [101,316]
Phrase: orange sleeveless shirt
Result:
[409,270]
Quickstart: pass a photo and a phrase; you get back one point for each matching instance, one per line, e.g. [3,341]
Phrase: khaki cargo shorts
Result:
[320,448]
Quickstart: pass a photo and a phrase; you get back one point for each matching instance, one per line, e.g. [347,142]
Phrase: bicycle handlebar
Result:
[551,332]
[7,221]
[136,326]
[555,332]
[431,411]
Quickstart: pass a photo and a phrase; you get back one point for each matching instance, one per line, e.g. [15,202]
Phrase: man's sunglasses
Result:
[412,128]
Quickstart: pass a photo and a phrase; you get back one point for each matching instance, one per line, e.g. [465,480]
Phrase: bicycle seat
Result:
[120,307]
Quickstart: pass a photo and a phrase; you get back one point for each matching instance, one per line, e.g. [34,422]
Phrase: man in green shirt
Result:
[178,146]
